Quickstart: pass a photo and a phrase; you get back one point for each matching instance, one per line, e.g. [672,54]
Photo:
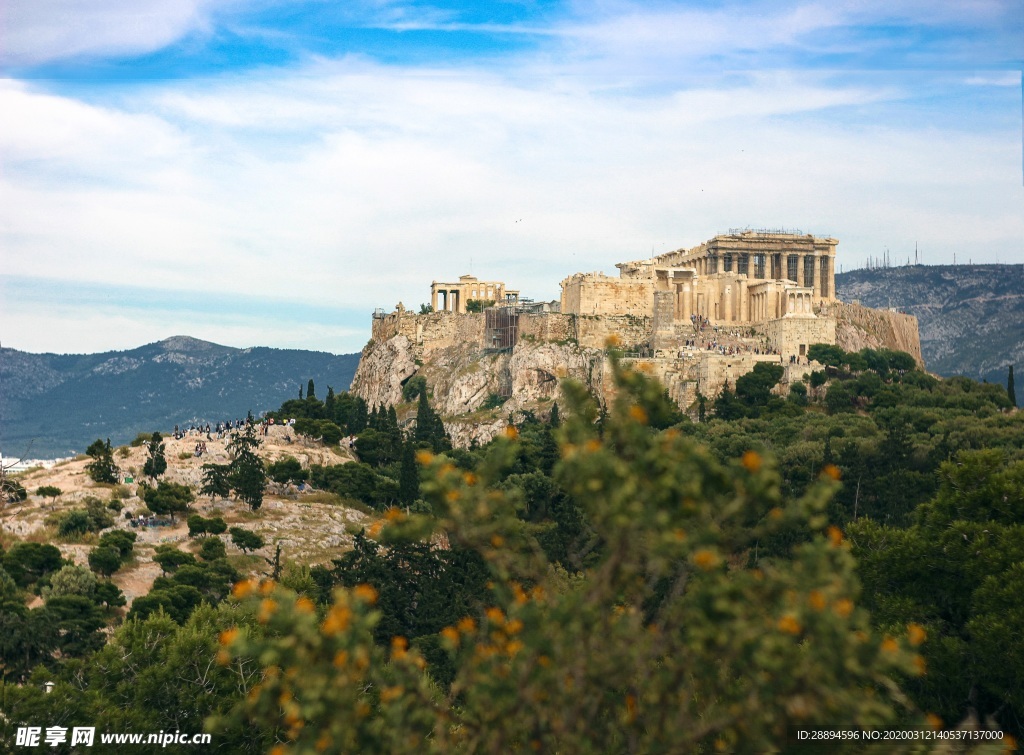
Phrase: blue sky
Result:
[256,172]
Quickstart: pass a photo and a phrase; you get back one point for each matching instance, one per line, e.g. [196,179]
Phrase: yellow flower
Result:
[514,627]
[511,433]
[789,625]
[341,659]
[267,586]
[391,693]
[495,615]
[917,634]
[889,645]
[706,559]
[228,636]
[751,461]
[241,589]
[365,592]
[497,541]
[466,624]
[844,607]
[469,478]
[775,513]
[394,514]
[817,600]
[631,707]
[831,471]
[520,596]
[375,528]
[337,620]
[835,536]
[934,721]
[638,414]
[612,341]
[267,609]
[451,634]
[304,605]
[424,457]
[398,647]
[514,647]
[920,664]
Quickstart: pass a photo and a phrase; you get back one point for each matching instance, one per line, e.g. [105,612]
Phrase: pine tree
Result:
[554,420]
[1011,389]
[102,468]
[247,475]
[156,462]
[310,392]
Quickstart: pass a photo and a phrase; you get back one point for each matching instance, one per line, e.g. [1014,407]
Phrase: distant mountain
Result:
[971,317]
[56,404]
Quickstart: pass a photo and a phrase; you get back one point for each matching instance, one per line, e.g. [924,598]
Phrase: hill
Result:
[54,405]
[971,317]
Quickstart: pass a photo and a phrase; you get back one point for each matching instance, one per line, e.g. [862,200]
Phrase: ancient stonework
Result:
[696,319]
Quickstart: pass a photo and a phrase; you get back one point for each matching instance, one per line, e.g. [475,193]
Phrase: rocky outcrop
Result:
[383,367]
[860,327]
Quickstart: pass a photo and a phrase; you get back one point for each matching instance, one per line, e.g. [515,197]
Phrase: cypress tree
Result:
[358,417]
[1011,389]
[329,403]
[408,476]
[310,391]
[300,391]
[554,420]
[424,420]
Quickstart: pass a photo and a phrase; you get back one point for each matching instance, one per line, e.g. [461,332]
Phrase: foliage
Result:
[665,644]
[49,491]
[478,305]
[246,540]
[413,387]
[198,525]
[247,475]
[957,572]
[212,548]
[287,470]
[168,498]
[216,482]
[102,468]
[93,518]
[156,461]
[104,560]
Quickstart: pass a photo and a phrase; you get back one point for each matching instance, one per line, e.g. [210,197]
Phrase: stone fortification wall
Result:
[792,336]
[547,327]
[427,333]
[859,327]
[593,332]
[714,371]
[598,294]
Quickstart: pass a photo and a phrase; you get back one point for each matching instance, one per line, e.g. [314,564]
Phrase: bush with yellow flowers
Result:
[675,640]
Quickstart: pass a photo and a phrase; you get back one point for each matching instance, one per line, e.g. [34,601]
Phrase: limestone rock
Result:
[382,369]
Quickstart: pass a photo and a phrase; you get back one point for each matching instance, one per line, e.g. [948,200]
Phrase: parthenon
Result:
[740,277]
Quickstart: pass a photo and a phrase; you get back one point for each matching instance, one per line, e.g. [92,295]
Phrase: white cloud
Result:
[37,31]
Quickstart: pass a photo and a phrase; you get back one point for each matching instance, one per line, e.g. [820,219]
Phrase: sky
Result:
[267,173]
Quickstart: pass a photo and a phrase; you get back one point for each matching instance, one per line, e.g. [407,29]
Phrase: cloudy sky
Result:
[266,172]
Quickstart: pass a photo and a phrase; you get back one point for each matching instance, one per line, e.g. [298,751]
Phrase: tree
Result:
[156,462]
[554,420]
[216,482]
[1011,388]
[104,560]
[212,548]
[49,491]
[102,468]
[170,558]
[247,475]
[71,580]
[246,540]
[168,498]
[408,476]
[310,392]
[669,642]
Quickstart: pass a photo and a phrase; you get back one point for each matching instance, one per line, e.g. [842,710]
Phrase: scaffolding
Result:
[501,328]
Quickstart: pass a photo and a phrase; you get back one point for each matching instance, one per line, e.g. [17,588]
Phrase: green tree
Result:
[408,476]
[168,498]
[310,390]
[102,468]
[247,475]
[71,580]
[49,491]
[104,560]
[288,469]
[156,461]
[212,548]
[216,480]
[246,540]
[1011,388]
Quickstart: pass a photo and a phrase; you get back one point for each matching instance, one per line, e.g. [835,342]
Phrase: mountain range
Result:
[54,405]
[970,317]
